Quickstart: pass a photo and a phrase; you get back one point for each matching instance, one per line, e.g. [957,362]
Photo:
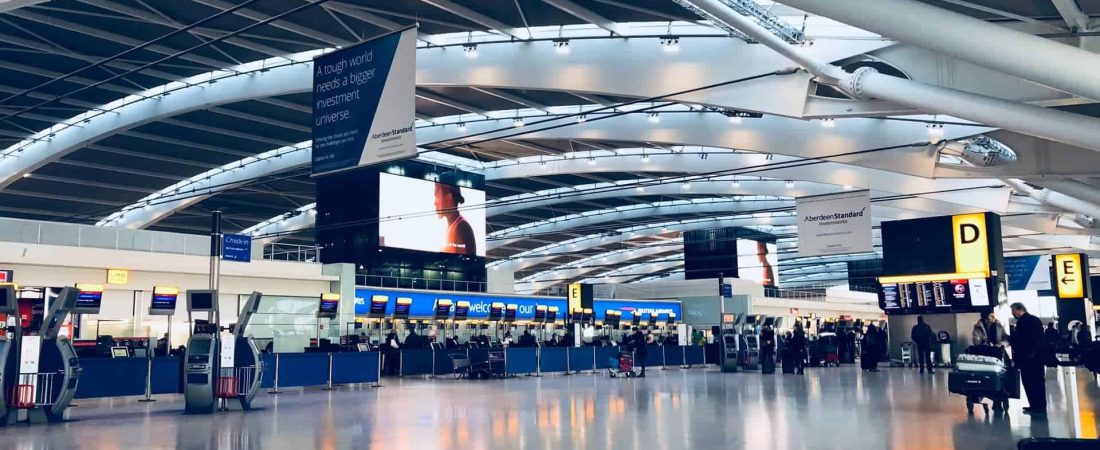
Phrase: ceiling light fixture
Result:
[653,118]
[471,50]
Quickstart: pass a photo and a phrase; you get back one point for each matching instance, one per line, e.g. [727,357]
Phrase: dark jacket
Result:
[922,335]
[1028,342]
[798,342]
[640,348]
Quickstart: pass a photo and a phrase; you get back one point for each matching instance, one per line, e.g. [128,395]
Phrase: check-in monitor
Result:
[88,298]
[164,301]
[120,352]
[403,308]
[329,306]
[200,300]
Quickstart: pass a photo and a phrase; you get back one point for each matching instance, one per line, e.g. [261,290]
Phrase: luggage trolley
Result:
[984,372]
[623,367]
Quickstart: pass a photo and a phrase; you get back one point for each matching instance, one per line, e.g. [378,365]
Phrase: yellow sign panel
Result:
[574,296]
[971,244]
[1069,276]
[118,276]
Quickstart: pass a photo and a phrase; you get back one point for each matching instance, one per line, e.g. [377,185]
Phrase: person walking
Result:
[923,337]
[1028,349]
[798,349]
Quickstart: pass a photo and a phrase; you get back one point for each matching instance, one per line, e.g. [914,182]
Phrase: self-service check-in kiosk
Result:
[731,344]
[40,373]
[201,358]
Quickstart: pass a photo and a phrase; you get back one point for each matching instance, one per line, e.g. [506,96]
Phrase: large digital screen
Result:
[757,261]
[424,215]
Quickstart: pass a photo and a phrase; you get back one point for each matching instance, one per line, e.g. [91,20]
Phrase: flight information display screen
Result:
[935,296]
[496,311]
[510,313]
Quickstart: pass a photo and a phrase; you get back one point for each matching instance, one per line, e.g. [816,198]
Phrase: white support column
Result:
[987,44]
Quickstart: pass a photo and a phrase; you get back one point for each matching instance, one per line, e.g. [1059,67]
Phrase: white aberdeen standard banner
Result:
[834,224]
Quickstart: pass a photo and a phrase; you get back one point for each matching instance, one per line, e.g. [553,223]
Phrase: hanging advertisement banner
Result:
[1028,273]
[834,224]
[364,103]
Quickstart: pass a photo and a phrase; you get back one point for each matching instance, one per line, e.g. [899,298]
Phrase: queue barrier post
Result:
[328,384]
[684,352]
[148,380]
[538,361]
[432,375]
[381,360]
[275,386]
[568,362]
[664,357]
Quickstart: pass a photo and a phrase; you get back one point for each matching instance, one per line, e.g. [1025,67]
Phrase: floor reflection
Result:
[671,409]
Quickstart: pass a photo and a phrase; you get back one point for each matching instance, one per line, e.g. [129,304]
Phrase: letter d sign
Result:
[970,243]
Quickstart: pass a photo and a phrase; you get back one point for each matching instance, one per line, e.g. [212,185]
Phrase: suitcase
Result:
[787,360]
[972,383]
[979,363]
[767,364]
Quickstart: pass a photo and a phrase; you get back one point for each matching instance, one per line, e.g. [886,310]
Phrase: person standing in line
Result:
[922,336]
[870,349]
[798,349]
[1028,350]
[640,350]
[767,346]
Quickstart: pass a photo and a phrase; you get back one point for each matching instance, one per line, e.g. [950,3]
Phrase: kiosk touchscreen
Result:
[120,352]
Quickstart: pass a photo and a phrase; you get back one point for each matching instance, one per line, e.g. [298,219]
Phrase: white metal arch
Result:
[591,264]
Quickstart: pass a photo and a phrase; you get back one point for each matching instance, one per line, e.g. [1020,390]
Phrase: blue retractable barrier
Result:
[654,356]
[607,357]
[416,362]
[581,358]
[674,355]
[520,360]
[303,369]
[552,359]
[267,379]
[111,377]
[355,367]
[166,375]
[693,355]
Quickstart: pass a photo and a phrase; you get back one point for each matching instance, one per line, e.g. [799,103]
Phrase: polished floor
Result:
[672,409]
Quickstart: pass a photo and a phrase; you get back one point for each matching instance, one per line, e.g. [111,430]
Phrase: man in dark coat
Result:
[640,349]
[1028,349]
[923,337]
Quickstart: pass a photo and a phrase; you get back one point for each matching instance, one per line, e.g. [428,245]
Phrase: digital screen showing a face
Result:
[424,215]
[757,261]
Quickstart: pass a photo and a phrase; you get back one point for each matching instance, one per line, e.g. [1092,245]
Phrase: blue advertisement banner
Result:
[1028,273]
[423,304]
[364,100]
[237,247]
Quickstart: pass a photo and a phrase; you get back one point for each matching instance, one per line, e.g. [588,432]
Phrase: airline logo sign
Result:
[1070,276]
[971,243]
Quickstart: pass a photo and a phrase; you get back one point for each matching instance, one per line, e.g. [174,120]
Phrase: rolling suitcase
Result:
[788,361]
[767,364]
[972,383]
